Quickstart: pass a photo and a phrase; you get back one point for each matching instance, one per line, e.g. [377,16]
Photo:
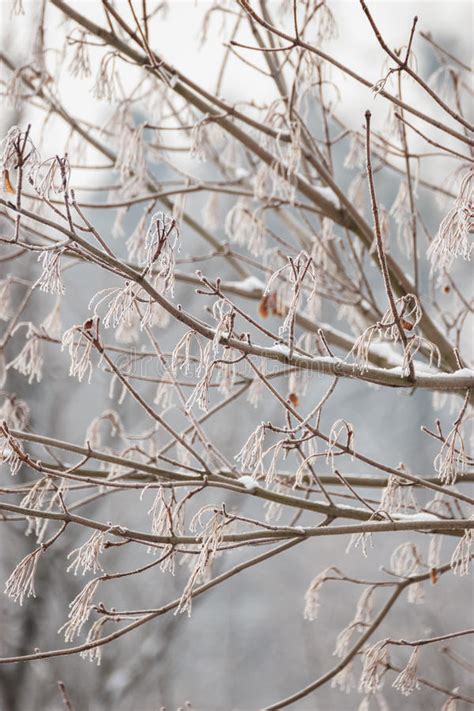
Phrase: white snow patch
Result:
[420,516]
[251,283]
[464,372]
[328,194]
[248,481]
[329,359]
[281,348]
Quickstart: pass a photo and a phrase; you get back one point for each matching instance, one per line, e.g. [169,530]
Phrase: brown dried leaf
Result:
[263,307]
[294,399]
[7,183]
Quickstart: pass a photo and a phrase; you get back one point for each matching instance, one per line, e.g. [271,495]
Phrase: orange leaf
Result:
[263,307]
[7,183]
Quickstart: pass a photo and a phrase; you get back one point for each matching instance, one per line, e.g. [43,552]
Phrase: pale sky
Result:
[177,39]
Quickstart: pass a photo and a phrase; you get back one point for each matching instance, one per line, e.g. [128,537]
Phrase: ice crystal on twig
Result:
[461,558]
[409,316]
[398,496]
[375,661]
[16,143]
[224,314]
[167,519]
[226,372]
[312,595]
[246,227]
[132,150]
[200,394]
[51,279]
[161,244]
[29,361]
[87,555]
[11,452]
[44,495]
[406,562]
[80,66]
[80,347]
[105,86]
[338,428]
[257,388]
[94,653]
[299,272]
[451,462]
[250,456]
[120,303]
[181,357]
[407,680]
[210,539]
[416,343]
[51,176]
[20,584]
[362,540]
[453,238]
[94,431]
[80,609]
[361,620]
